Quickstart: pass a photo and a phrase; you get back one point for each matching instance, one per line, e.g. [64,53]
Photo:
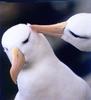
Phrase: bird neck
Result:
[43,51]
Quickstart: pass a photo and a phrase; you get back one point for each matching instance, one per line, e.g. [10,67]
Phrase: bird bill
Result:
[18,61]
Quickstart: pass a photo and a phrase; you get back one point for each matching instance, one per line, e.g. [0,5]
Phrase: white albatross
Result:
[36,70]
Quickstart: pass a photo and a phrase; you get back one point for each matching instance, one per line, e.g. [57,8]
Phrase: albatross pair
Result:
[36,70]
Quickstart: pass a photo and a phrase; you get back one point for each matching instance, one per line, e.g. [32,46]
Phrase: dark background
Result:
[40,12]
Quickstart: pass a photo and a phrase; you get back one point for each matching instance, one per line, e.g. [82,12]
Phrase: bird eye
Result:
[5,49]
[25,41]
[77,36]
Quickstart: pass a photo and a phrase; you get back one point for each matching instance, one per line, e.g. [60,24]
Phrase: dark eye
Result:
[5,49]
[25,41]
[77,36]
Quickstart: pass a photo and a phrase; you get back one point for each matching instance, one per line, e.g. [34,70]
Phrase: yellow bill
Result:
[18,61]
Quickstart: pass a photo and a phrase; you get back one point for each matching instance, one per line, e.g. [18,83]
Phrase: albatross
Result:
[38,73]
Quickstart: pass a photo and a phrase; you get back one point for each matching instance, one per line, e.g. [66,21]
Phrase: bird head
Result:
[21,44]
[78,31]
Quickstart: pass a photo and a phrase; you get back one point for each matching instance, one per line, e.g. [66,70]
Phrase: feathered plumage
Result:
[43,76]
[78,31]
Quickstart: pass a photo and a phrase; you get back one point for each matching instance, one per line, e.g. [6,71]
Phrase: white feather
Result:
[44,77]
[80,24]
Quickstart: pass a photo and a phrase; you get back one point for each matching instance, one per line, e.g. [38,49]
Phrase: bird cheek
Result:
[25,52]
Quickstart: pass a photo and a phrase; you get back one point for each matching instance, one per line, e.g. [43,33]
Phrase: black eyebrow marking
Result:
[25,41]
[77,36]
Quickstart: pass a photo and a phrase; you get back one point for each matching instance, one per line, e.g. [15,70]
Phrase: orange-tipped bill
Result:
[18,61]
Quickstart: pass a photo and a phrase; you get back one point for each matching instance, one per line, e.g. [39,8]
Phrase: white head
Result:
[32,45]
[78,31]
[26,40]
